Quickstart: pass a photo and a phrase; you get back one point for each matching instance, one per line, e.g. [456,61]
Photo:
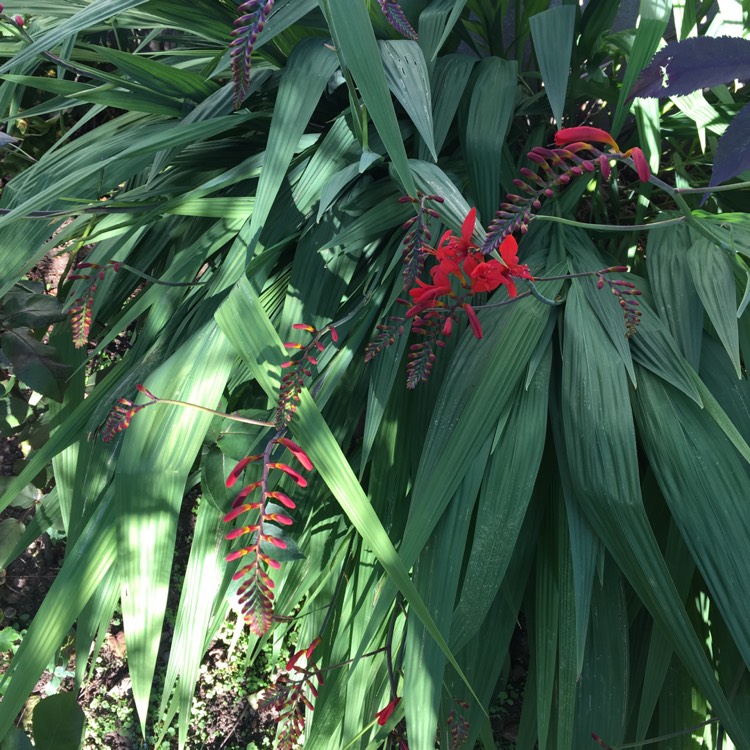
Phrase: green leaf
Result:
[21,310]
[406,74]
[553,35]
[168,80]
[205,570]
[704,481]
[36,364]
[58,723]
[604,473]
[258,337]
[436,577]
[302,83]
[158,450]
[355,41]
[449,80]
[676,298]
[92,14]
[11,531]
[506,491]
[654,16]
[16,739]
[492,104]
[714,280]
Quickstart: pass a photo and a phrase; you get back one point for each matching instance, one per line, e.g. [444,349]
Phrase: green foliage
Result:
[582,466]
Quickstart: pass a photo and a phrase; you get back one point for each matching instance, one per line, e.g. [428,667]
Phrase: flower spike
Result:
[264,531]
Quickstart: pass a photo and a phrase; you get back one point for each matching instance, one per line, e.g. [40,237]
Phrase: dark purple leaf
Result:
[733,151]
[692,64]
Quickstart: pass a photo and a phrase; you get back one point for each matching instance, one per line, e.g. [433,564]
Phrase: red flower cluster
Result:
[460,260]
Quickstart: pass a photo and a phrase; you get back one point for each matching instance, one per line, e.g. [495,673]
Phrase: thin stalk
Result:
[609,227]
[233,417]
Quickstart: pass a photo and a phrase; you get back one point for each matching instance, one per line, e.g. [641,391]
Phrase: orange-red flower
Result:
[509,254]
[486,276]
[451,250]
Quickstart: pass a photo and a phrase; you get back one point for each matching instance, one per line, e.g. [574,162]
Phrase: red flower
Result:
[424,294]
[385,713]
[451,250]
[509,254]
[487,276]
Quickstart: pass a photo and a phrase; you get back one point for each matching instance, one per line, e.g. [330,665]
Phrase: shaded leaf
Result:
[16,739]
[733,150]
[11,530]
[21,310]
[36,364]
[714,279]
[58,723]
[552,34]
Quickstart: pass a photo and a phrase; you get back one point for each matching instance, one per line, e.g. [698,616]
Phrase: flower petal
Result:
[467,228]
[584,133]
[641,165]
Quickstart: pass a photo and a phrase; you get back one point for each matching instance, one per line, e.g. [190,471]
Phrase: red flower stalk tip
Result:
[385,713]
[142,388]
[641,165]
[474,323]
[584,133]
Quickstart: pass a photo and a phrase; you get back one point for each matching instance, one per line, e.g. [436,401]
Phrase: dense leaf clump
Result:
[422,300]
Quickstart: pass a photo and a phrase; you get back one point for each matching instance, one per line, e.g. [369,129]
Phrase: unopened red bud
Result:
[334,334]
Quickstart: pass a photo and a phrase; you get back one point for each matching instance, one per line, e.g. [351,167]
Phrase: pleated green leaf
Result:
[304,78]
[93,13]
[157,452]
[449,80]
[355,42]
[157,76]
[714,280]
[601,453]
[552,34]
[471,399]
[506,491]
[436,577]
[676,298]
[205,570]
[406,74]
[654,16]
[704,481]
[602,692]
[491,107]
